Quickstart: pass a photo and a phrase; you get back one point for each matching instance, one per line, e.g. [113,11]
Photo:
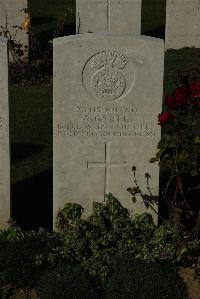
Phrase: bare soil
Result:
[192,282]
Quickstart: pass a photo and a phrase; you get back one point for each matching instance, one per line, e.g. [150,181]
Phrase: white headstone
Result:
[107,95]
[182,24]
[122,16]
[12,14]
[4,137]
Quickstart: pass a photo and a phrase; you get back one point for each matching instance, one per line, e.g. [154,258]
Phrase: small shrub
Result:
[93,241]
[130,278]
[23,257]
[67,282]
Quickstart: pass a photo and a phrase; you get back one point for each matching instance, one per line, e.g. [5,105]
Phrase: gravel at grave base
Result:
[21,294]
[192,282]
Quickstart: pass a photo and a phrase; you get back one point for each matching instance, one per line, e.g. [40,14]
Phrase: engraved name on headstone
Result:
[4,137]
[182,24]
[107,95]
[120,16]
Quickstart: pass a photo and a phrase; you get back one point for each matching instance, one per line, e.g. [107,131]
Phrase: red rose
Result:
[179,98]
[195,89]
[164,117]
[195,93]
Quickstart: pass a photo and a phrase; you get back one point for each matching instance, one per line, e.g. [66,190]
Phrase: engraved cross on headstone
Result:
[107,165]
[109,4]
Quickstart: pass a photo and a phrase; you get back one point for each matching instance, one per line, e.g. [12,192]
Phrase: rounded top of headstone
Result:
[89,36]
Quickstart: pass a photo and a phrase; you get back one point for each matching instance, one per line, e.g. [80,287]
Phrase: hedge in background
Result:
[67,282]
[133,279]
[23,258]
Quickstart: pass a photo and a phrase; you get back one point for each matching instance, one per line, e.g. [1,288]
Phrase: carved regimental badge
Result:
[108,75]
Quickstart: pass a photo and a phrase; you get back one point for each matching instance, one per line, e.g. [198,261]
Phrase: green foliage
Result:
[171,242]
[130,278]
[110,230]
[70,213]
[66,282]
[91,243]
[23,257]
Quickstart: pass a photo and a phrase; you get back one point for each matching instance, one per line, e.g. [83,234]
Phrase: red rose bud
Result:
[163,118]
[179,98]
[195,90]
[195,93]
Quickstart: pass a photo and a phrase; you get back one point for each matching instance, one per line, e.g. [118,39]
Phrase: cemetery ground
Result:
[31,178]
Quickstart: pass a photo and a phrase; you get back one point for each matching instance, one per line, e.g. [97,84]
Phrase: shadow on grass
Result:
[32,201]
[69,29]
[20,151]
[42,20]
[44,37]
[158,32]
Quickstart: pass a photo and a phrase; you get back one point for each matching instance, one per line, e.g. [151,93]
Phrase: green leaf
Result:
[183,252]
[197,140]
[194,172]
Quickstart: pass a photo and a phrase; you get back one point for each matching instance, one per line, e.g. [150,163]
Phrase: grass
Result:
[31,124]
[177,61]
[46,13]
[31,110]
[153,17]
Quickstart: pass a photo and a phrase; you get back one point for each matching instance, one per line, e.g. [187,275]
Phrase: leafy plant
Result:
[110,230]
[91,243]
[70,213]
[170,242]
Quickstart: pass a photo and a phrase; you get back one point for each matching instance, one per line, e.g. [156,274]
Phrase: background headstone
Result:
[122,16]
[182,24]
[4,137]
[12,13]
[107,95]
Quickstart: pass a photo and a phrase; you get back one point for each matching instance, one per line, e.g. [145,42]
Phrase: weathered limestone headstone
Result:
[12,14]
[182,24]
[122,16]
[4,137]
[107,95]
